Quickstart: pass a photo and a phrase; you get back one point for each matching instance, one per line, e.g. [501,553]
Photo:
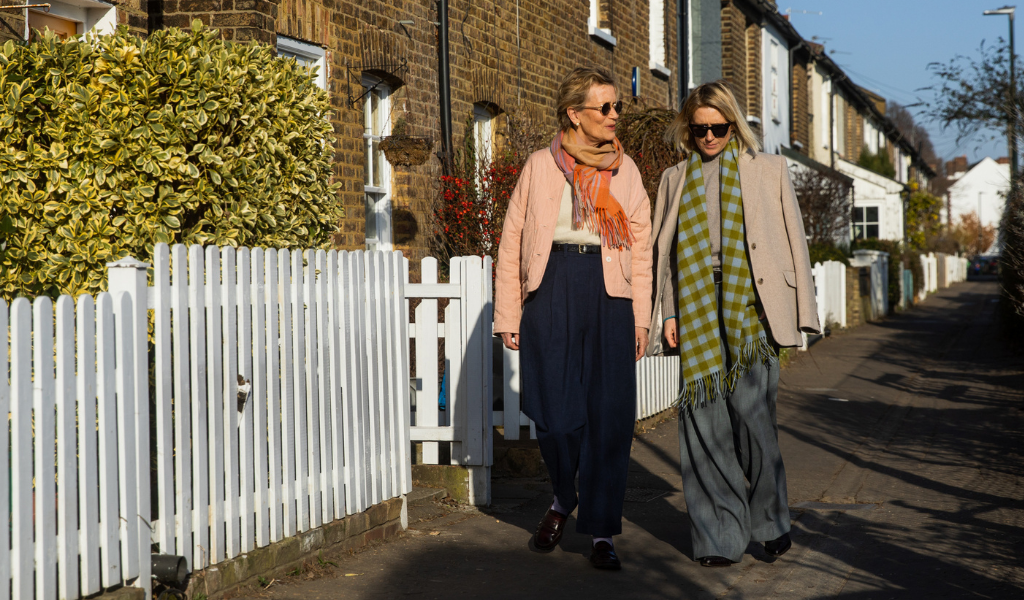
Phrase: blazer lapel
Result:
[750,180]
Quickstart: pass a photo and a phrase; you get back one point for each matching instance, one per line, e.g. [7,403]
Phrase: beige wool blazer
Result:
[776,244]
[529,229]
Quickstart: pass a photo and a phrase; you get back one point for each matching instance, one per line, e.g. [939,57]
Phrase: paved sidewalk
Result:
[904,447]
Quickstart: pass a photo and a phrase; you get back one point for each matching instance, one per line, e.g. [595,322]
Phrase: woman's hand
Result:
[671,333]
[511,340]
[641,342]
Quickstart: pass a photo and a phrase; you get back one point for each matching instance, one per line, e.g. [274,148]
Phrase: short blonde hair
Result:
[574,89]
[718,96]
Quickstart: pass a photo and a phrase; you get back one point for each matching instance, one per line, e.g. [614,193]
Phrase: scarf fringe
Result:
[713,387]
[610,223]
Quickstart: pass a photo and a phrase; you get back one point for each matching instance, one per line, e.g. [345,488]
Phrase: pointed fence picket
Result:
[290,373]
[76,520]
[280,401]
[830,292]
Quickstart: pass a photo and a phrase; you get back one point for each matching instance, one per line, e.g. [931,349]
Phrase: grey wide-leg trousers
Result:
[734,481]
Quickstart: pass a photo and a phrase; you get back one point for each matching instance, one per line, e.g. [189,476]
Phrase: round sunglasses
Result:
[606,107]
[718,130]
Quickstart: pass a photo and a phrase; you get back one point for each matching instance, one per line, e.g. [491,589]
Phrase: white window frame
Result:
[381,212]
[483,136]
[600,34]
[659,52]
[864,222]
[308,55]
[89,15]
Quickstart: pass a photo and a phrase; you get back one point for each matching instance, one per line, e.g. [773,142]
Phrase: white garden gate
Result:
[467,375]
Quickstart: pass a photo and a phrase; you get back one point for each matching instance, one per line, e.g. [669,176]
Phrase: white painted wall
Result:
[986,183]
[820,90]
[91,15]
[872,189]
[775,76]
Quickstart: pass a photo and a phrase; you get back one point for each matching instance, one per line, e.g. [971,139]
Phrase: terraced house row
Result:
[384,64]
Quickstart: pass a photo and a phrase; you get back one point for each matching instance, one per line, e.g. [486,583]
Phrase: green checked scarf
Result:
[703,367]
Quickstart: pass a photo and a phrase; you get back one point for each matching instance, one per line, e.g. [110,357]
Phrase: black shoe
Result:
[603,556]
[549,531]
[778,546]
[715,561]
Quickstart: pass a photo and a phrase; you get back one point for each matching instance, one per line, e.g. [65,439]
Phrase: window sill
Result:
[660,70]
[603,36]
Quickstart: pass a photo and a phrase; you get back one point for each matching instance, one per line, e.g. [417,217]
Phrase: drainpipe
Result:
[444,86]
[682,37]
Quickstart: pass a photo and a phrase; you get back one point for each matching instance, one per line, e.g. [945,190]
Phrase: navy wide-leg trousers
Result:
[577,348]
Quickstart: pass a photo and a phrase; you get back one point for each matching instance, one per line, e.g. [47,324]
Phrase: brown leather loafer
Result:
[778,546]
[715,561]
[549,531]
[603,556]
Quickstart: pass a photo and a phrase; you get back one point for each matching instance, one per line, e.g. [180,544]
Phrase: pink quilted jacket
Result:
[530,227]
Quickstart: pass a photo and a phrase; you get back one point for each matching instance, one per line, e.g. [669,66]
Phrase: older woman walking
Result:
[573,294]
[733,285]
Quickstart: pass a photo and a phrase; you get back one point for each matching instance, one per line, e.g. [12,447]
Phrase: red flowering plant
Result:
[471,202]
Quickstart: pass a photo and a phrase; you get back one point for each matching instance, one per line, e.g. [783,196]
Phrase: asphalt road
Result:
[903,443]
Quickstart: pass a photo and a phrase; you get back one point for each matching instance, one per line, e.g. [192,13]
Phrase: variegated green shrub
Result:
[113,143]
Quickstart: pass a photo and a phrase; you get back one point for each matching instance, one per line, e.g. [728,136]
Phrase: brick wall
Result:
[741,58]
[854,315]
[493,62]
[734,50]
[755,83]
[489,65]
[238,20]
[801,117]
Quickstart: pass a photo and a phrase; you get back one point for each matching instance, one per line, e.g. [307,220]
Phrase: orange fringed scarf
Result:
[589,171]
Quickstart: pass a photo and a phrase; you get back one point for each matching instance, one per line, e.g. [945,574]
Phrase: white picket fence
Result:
[930,268]
[657,386]
[78,427]
[942,270]
[281,387]
[466,333]
[830,292]
[281,398]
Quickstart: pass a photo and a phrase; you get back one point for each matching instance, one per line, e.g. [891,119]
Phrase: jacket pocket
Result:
[626,264]
[790,278]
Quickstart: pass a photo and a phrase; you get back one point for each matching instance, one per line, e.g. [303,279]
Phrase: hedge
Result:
[112,143]
[1011,264]
[820,253]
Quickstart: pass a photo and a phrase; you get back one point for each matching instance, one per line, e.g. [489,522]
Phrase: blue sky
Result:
[886,45]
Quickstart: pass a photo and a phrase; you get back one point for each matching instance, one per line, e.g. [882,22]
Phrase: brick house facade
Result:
[741,56]
[505,55]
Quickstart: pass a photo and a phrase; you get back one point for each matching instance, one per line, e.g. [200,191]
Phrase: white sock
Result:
[601,539]
[558,508]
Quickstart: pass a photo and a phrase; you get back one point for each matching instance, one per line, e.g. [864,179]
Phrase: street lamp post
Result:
[1011,132]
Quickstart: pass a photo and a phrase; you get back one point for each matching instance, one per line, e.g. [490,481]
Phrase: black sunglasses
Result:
[607,107]
[718,130]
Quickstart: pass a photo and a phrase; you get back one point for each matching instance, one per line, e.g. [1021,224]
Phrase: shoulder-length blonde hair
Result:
[718,96]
